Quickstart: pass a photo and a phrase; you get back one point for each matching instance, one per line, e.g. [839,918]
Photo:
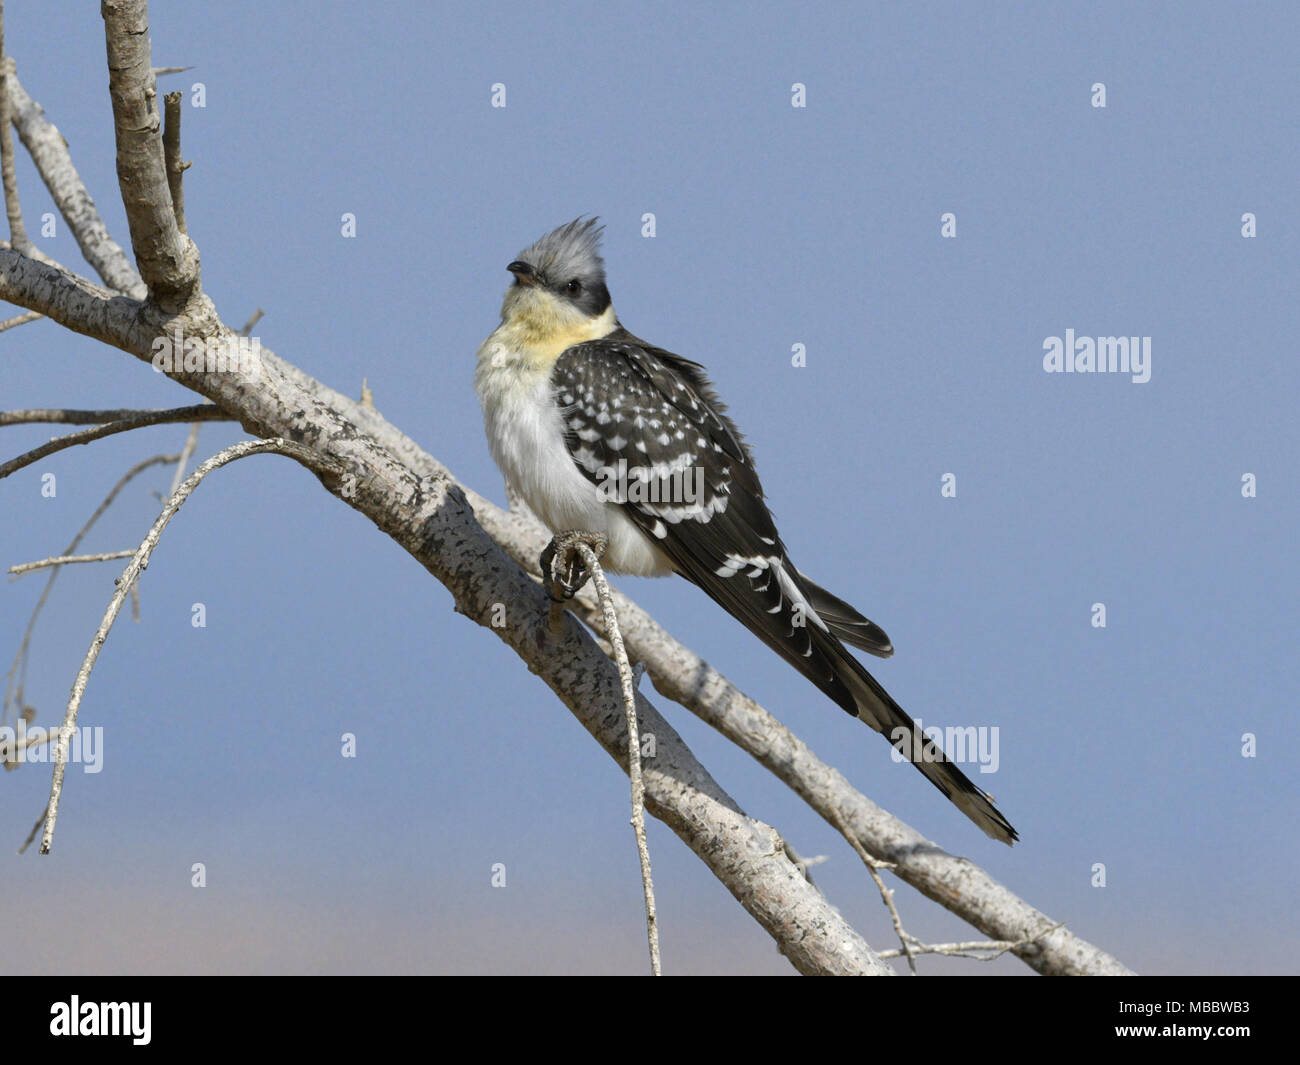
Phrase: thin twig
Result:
[17,231]
[35,828]
[86,417]
[977,950]
[63,560]
[592,564]
[191,442]
[16,678]
[36,737]
[134,568]
[49,154]
[167,258]
[20,319]
[874,865]
[204,412]
[980,950]
[887,894]
[172,155]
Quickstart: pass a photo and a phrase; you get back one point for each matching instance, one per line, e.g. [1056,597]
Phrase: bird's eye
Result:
[574,287]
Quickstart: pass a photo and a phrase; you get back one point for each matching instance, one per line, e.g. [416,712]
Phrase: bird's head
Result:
[559,294]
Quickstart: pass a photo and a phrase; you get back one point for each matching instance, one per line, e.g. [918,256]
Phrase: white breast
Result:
[526,437]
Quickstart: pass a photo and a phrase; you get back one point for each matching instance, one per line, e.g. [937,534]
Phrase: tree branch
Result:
[139,562]
[64,560]
[49,152]
[167,258]
[96,417]
[16,678]
[589,547]
[20,319]
[201,412]
[172,155]
[17,231]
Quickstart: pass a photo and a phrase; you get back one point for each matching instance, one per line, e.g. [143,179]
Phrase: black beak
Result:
[523,272]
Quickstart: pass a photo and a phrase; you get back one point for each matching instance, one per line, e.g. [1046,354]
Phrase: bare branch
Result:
[49,152]
[556,561]
[63,560]
[137,565]
[199,412]
[32,834]
[191,442]
[20,319]
[172,155]
[633,750]
[70,300]
[874,866]
[17,231]
[976,950]
[167,258]
[37,737]
[90,417]
[16,678]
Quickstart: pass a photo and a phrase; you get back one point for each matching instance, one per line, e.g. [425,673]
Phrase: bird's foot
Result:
[563,571]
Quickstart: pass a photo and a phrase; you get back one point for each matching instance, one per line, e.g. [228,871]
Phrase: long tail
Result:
[845,621]
[877,708]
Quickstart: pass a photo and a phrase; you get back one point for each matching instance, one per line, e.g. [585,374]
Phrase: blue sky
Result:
[775,226]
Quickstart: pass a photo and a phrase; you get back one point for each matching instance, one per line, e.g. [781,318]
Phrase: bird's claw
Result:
[563,571]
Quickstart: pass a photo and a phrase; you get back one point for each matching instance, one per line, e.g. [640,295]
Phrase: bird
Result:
[602,432]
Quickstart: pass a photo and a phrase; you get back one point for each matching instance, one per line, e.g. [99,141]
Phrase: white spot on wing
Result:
[733,564]
[792,591]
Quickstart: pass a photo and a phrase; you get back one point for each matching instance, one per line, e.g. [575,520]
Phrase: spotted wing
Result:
[645,426]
